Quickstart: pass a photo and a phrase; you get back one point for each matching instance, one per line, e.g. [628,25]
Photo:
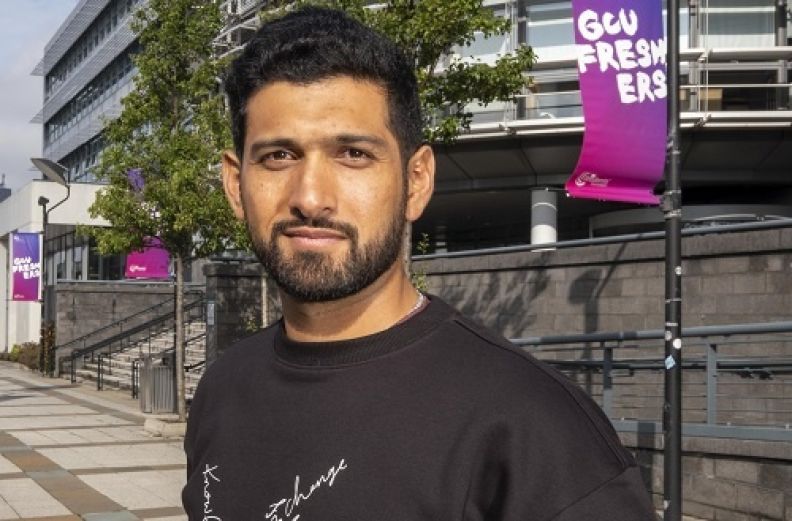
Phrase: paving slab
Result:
[43,410]
[28,499]
[58,422]
[71,453]
[6,467]
[117,456]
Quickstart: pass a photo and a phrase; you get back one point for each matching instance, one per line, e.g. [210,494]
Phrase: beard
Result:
[310,276]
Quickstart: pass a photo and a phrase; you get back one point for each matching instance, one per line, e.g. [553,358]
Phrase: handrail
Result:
[711,364]
[613,239]
[656,334]
[129,332]
[117,323]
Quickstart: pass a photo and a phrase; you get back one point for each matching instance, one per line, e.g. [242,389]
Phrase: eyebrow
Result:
[350,139]
[272,143]
[340,139]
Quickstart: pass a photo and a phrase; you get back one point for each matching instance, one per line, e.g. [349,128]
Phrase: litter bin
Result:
[158,383]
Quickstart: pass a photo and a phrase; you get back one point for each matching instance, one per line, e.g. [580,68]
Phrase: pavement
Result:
[71,453]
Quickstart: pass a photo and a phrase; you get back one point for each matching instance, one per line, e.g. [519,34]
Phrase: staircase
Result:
[117,367]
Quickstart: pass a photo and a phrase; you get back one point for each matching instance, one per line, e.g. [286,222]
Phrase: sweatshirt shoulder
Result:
[241,356]
[524,388]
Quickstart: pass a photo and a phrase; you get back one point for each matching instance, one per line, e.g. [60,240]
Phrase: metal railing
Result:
[612,239]
[711,365]
[751,97]
[117,327]
[135,374]
[136,336]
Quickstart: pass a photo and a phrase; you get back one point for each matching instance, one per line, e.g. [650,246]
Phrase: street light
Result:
[54,172]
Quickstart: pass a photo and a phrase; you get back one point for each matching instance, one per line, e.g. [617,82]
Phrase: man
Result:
[369,400]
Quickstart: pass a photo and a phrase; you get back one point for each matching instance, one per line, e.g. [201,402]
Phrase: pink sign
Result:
[622,70]
[150,263]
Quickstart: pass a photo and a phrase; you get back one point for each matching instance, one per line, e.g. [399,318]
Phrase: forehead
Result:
[332,105]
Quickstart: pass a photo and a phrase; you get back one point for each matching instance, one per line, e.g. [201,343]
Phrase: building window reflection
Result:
[68,254]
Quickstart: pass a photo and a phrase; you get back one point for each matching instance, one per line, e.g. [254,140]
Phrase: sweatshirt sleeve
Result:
[620,499]
[554,456]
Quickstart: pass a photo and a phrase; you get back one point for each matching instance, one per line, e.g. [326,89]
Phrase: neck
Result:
[376,308]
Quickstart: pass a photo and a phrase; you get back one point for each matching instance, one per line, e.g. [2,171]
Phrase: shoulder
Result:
[527,392]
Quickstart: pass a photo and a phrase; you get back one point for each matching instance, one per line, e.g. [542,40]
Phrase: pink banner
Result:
[622,70]
[25,266]
[150,263]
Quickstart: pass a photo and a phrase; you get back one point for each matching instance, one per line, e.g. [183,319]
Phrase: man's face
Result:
[321,186]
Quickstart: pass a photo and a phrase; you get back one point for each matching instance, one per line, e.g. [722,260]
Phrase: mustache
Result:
[347,229]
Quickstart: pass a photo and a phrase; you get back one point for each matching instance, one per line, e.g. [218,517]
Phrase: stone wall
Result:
[733,278]
[722,479]
[236,305]
[728,279]
[84,307]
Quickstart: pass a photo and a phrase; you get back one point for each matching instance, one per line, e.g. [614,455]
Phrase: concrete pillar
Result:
[234,304]
[544,216]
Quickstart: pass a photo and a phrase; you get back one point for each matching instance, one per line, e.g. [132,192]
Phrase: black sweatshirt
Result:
[433,419]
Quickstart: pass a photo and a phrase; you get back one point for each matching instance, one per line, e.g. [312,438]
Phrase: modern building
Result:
[737,134]
[736,128]
[86,69]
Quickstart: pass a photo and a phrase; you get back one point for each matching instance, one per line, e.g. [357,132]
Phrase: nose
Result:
[313,190]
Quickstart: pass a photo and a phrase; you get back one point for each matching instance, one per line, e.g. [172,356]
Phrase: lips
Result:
[313,238]
[313,233]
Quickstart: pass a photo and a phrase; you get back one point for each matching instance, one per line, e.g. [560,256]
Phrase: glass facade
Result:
[737,23]
[73,257]
[91,40]
[730,85]
[79,162]
[98,90]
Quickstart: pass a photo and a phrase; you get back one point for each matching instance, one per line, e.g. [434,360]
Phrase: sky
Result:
[25,28]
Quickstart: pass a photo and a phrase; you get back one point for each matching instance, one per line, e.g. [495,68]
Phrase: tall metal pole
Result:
[43,201]
[672,208]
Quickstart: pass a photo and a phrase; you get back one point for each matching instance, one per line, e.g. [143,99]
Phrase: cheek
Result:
[260,202]
[372,199]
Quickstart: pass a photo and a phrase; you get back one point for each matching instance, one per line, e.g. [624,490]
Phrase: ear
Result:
[232,173]
[420,183]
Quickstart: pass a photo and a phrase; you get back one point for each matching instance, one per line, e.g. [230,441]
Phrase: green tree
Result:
[430,31]
[172,128]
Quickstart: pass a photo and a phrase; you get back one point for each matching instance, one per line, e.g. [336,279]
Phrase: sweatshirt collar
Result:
[362,349]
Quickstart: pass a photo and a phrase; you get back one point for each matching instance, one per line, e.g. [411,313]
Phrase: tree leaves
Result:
[172,127]
[429,31]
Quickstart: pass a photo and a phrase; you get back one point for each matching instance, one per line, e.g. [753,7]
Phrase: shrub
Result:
[27,354]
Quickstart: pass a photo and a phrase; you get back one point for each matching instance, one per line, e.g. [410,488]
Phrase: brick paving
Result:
[71,453]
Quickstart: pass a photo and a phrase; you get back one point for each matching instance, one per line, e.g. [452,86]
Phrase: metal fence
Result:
[737,379]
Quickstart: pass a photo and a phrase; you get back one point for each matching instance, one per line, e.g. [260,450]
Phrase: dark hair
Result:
[312,44]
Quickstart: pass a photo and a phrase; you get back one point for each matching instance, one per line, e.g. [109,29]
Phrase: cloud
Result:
[25,28]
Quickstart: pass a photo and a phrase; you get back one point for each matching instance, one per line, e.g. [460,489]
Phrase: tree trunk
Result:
[181,404]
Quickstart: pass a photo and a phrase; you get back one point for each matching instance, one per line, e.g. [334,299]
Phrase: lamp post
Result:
[54,172]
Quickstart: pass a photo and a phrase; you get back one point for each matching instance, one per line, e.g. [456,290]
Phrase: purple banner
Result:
[150,263]
[25,266]
[622,70]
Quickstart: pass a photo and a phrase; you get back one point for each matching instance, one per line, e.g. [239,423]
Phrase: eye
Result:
[355,156]
[277,159]
[278,155]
